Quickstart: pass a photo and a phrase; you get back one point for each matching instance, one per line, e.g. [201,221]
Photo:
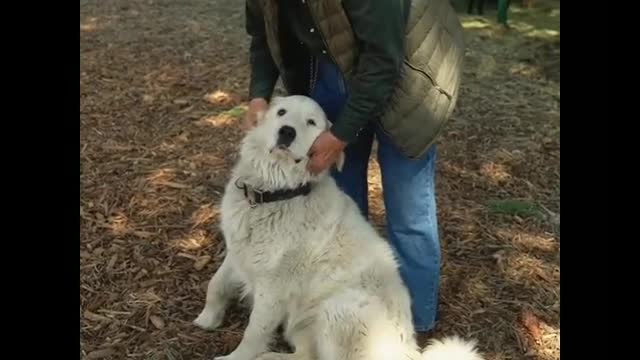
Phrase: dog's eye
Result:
[281,112]
[311,122]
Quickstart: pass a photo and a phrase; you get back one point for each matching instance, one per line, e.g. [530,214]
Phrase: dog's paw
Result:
[208,320]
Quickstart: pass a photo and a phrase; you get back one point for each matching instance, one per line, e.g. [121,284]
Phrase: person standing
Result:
[380,69]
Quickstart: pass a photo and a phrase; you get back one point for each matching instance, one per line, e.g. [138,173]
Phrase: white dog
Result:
[307,257]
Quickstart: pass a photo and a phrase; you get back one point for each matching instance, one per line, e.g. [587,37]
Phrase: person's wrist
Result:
[338,137]
[258,101]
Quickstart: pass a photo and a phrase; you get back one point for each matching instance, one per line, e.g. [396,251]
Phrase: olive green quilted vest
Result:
[430,77]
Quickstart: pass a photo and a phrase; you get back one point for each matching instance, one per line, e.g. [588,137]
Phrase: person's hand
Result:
[324,152]
[257,108]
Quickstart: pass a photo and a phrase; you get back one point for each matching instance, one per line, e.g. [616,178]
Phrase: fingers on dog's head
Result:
[260,117]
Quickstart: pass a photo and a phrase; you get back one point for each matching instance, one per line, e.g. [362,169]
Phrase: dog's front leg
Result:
[222,287]
[266,315]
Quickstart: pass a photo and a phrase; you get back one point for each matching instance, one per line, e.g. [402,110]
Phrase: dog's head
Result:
[284,134]
[291,125]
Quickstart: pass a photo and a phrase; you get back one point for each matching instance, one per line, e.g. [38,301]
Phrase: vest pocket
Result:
[430,77]
[416,112]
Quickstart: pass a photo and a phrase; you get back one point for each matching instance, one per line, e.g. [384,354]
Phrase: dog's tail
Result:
[451,348]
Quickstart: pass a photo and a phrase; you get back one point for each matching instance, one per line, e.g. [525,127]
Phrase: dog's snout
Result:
[287,132]
[286,135]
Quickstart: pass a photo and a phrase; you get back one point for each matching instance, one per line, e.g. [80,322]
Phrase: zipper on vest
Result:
[435,84]
[324,41]
[313,74]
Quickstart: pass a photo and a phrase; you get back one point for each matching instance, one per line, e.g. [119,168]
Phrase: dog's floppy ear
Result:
[275,100]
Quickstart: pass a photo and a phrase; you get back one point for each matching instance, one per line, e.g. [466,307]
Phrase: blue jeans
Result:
[409,199]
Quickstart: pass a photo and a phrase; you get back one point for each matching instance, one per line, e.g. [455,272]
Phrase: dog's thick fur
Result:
[312,263]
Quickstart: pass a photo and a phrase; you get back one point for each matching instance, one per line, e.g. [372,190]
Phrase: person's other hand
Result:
[324,152]
[257,108]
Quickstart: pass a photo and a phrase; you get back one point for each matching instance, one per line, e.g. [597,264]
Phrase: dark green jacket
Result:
[401,59]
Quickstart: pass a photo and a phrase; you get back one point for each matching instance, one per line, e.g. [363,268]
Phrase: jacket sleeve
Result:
[379,29]
[264,72]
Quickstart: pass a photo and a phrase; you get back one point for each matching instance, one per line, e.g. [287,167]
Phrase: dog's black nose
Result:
[286,135]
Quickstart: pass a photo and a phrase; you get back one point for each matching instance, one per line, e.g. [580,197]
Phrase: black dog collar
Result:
[256,197]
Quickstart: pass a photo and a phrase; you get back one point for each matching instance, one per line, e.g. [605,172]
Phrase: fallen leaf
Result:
[187,109]
[184,137]
[237,112]
[112,262]
[234,325]
[140,274]
[180,101]
[499,255]
[220,98]
[157,322]
[201,262]
[94,317]
[143,234]
[532,324]
[187,337]
[188,256]
[541,274]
